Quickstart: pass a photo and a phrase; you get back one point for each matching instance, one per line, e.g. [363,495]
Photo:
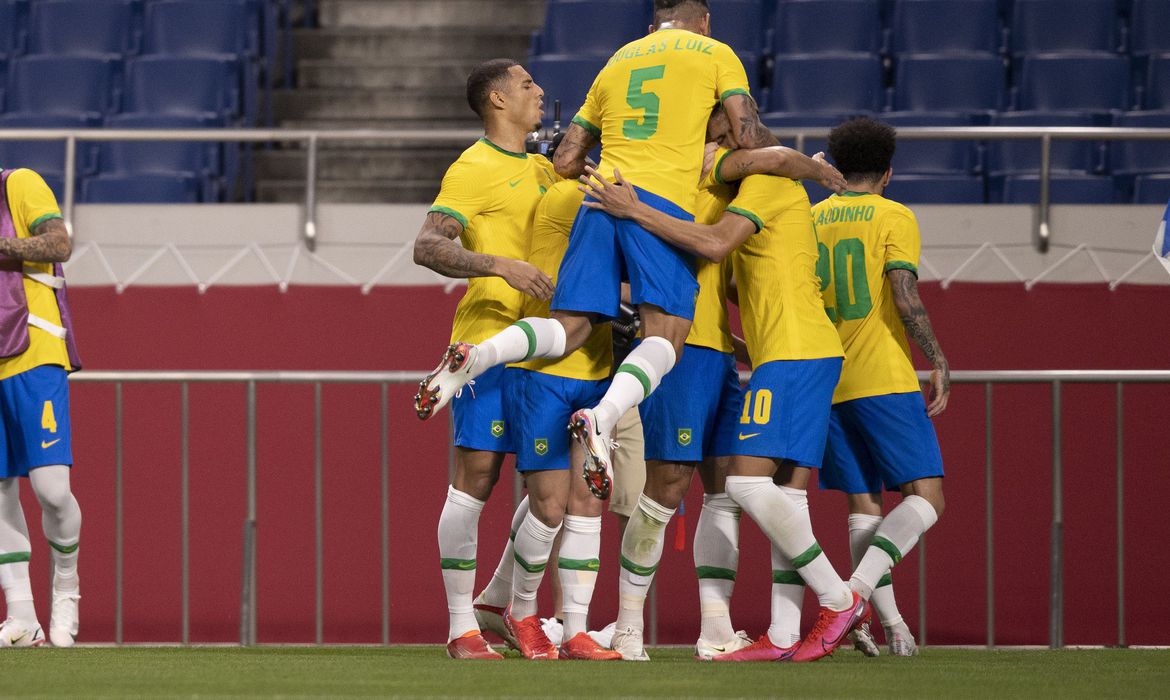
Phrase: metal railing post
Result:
[185,508]
[1056,584]
[1120,517]
[251,523]
[311,195]
[1041,238]
[70,181]
[119,543]
[318,523]
[989,494]
[385,503]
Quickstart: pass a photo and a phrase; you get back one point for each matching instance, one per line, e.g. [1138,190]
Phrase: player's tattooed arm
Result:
[49,243]
[435,248]
[570,158]
[913,313]
[713,242]
[746,128]
[784,162]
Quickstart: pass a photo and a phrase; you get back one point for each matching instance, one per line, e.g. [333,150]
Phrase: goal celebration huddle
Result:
[693,206]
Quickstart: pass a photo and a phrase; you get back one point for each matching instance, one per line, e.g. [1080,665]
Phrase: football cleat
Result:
[705,650]
[901,642]
[863,641]
[760,650]
[491,619]
[831,628]
[18,633]
[63,620]
[530,638]
[627,641]
[471,646]
[446,381]
[582,647]
[554,629]
[604,636]
[598,448]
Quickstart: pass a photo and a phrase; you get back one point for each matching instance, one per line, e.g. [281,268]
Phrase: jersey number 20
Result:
[636,97]
[848,271]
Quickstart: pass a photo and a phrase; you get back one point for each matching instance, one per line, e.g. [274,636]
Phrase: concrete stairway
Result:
[387,64]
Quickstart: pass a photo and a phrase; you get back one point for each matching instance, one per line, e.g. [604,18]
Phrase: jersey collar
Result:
[521,156]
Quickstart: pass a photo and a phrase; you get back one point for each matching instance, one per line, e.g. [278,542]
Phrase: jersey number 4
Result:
[847,269]
[636,97]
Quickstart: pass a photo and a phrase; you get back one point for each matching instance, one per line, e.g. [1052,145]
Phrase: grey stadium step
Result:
[370,104]
[430,13]
[395,46]
[350,191]
[386,164]
[380,75]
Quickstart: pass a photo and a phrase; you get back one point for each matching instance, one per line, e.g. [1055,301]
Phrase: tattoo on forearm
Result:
[436,249]
[752,133]
[742,170]
[569,160]
[917,322]
[49,243]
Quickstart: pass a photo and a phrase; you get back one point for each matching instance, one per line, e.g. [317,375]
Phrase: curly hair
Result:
[666,10]
[862,148]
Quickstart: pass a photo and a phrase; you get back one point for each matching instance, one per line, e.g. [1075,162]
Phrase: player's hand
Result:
[940,390]
[830,178]
[617,198]
[525,277]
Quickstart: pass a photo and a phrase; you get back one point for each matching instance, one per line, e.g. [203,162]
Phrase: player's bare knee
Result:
[865,503]
[577,328]
[667,483]
[930,489]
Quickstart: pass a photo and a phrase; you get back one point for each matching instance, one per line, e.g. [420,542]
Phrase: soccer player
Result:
[37,351]
[880,432]
[487,200]
[796,358]
[539,397]
[649,108]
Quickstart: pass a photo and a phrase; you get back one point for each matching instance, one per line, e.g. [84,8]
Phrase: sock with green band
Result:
[894,538]
[641,552]
[577,568]
[787,586]
[716,562]
[532,547]
[458,541]
[523,340]
[636,378]
[861,529]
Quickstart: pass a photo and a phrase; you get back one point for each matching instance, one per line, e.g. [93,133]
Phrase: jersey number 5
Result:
[640,130]
[848,271]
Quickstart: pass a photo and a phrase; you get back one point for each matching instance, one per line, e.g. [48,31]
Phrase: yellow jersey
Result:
[550,239]
[863,236]
[32,202]
[710,328]
[779,292]
[650,105]
[493,193]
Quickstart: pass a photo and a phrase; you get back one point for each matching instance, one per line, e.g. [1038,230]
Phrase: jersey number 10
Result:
[848,271]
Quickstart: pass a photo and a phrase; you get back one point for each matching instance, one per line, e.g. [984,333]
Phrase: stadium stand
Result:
[575,26]
[1040,26]
[83,27]
[134,188]
[818,26]
[1015,157]
[565,78]
[1063,189]
[949,83]
[195,159]
[1156,91]
[1074,83]
[934,157]
[209,88]
[82,85]
[9,41]
[188,28]
[737,23]
[1147,27]
[826,83]
[932,189]
[972,26]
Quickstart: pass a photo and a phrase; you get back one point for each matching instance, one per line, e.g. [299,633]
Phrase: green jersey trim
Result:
[42,219]
[732,92]
[521,156]
[901,265]
[584,124]
[719,167]
[451,213]
[748,215]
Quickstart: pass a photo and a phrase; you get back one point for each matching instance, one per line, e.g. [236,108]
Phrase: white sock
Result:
[532,547]
[15,552]
[787,587]
[458,539]
[716,562]
[499,590]
[861,529]
[523,340]
[788,527]
[636,378]
[896,536]
[577,567]
[61,520]
[641,552]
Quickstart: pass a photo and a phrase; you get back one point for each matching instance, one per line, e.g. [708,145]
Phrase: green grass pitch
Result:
[291,672]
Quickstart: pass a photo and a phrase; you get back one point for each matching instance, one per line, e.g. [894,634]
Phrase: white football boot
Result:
[901,641]
[446,381]
[598,448]
[628,642]
[604,636]
[863,641]
[63,620]
[19,633]
[705,649]
[553,629]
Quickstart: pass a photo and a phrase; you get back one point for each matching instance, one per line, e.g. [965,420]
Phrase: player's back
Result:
[710,328]
[862,236]
[650,105]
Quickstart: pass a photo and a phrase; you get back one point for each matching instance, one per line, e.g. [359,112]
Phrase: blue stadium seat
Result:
[45,157]
[210,86]
[914,156]
[935,189]
[79,85]
[739,24]
[1013,157]
[1156,94]
[818,26]
[971,26]
[565,78]
[197,158]
[1148,24]
[1040,26]
[1064,189]
[194,27]
[788,121]
[827,83]
[149,188]
[1151,189]
[1141,157]
[950,83]
[11,39]
[753,64]
[1074,83]
[83,27]
[591,26]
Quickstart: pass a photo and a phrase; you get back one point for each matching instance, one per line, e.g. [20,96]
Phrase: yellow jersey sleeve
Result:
[757,200]
[462,196]
[730,76]
[589,116]
[903,244]
[31,201]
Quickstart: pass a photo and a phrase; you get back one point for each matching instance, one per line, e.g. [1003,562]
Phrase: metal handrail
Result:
[250,379]
[313,137]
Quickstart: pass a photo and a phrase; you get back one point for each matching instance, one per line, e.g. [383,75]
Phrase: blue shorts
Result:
[785,410]
[477,415]
[880,440]
[605,251]
[34,406]
[538,407]
[680,420]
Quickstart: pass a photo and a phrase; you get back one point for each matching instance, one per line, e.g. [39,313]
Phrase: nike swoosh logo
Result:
[746,437]
[465,565]
[719,649]
[47,445]
[516,183]
[14,640]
